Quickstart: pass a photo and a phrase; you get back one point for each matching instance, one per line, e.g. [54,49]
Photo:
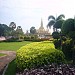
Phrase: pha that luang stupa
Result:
[42,33]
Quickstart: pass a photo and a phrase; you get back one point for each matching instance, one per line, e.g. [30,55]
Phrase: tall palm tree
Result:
[53,20]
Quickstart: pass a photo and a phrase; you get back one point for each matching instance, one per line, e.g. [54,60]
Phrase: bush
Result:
[67,48]
[55,35]
[11,40]
[57,44]
[27,38]
[37,54]
[32,38]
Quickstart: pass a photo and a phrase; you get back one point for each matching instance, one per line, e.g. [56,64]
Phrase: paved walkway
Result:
[4,60]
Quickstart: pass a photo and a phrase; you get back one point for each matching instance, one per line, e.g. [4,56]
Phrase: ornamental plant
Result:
[37,54]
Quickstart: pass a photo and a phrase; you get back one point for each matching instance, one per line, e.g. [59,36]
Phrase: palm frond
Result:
[51,23]
[60,17]
[51,17]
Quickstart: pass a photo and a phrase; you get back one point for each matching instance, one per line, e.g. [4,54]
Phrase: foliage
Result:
[38,54]
[58,24]
[68,26]
[12,25]
[1,30]
[55,22]
[19,32]
[13,46]
[71,34]
[60,17]
[67,48]
[55,35]
[5,30]
[32,30]
[31,38]
[26,38]
[12,40]
[57,44]
[34,38]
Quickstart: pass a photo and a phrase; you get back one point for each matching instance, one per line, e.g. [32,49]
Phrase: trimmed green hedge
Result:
[37,54]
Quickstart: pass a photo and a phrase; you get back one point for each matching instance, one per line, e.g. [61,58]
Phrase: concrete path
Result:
[4,60]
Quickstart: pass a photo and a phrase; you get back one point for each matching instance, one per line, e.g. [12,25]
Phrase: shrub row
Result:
[37,54]
[36,39]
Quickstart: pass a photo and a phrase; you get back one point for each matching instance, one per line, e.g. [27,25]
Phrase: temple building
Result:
[42,33]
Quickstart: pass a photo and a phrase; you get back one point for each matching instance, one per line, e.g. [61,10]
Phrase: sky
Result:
[28,13]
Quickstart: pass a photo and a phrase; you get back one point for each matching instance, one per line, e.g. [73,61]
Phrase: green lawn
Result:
[11,70]
[13,46]
[2,54]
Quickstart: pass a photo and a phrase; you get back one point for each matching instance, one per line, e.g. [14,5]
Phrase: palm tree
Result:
[53,20]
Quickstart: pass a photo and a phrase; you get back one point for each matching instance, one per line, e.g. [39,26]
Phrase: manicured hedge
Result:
[37,54]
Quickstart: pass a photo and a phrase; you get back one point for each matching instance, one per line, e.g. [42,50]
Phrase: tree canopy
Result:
[68,26]
[55,35]
[32,30]
[58,24]
[12,25]
[5,30]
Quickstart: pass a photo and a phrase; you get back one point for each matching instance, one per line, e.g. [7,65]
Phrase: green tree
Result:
[12,25]
[56,35]
[19,31]
[68,29]
[53,21]
[32,30]
[58,24]
[1,30]
[68,26]
[5,30]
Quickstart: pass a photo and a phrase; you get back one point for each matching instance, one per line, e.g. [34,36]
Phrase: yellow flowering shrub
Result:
[38,54]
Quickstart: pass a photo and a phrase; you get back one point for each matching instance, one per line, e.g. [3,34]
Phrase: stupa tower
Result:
[41,27]
[41,23]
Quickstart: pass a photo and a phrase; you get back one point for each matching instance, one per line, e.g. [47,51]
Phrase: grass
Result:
[11,70]
[12,46]
[2,54]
